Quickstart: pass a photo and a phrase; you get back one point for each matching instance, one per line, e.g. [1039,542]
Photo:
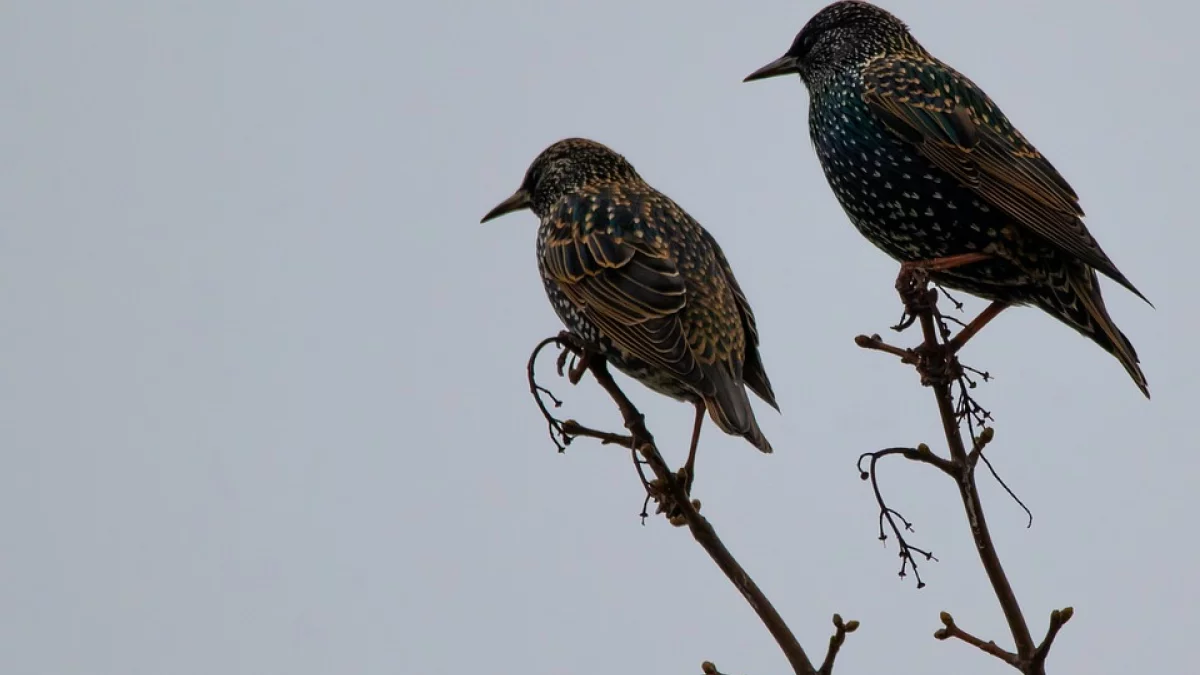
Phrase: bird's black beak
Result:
[784,65]
[519,200]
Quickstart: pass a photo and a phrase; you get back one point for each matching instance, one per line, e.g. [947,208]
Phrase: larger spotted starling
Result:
[630,272]
[930,170]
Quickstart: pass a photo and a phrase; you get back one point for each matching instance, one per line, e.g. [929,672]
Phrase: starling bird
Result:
[629,271]
[930,170]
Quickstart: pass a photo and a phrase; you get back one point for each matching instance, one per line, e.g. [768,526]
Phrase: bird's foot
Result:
[913,283]
[580,354]
[570,340]
[575,373]
[913,286]
[667,504]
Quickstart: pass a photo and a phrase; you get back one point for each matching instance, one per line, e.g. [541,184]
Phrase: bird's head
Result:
[843,35]
[561,169]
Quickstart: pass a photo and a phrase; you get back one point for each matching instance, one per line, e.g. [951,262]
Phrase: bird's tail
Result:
[729,407]
[756,378]
[1084,311]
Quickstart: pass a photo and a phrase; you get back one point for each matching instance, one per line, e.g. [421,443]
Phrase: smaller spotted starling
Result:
[629,271]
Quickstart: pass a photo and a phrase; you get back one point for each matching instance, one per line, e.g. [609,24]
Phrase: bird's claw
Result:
[666,502]
[906,319]
[572,348]
[578,369]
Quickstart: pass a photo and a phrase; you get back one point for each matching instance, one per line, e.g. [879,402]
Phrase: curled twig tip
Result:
[890,518]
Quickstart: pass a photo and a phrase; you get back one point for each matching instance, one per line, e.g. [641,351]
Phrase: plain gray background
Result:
[262,393]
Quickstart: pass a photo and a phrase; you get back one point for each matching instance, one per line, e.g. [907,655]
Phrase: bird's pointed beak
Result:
[784,65]
[519,200]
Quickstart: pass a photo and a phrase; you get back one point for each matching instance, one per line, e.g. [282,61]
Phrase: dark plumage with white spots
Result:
[629,271]
[926,166]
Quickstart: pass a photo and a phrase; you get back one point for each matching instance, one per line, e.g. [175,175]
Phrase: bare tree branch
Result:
[937,363]
[669,490]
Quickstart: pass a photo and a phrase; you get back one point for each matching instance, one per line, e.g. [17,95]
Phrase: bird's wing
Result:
[754,372]
[611,259]
[954,124]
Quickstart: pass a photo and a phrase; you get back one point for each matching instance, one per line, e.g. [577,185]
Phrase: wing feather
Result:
[958,128]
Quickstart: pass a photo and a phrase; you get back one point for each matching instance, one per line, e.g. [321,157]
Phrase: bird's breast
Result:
[894,196]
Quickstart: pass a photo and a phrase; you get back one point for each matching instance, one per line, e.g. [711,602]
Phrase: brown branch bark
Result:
[938,365]
[670,491]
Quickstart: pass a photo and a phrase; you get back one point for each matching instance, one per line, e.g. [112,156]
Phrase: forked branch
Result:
[937,363]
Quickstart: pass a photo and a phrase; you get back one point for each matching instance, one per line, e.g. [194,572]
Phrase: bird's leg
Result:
[992,311]
[943,264]
[575,373]
[688,472]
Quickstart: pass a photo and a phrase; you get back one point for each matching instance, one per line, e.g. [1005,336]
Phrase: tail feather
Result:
[756,378]
[1085,312]
[729,407]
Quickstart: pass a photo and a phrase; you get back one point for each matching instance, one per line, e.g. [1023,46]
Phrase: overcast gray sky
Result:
[262,393]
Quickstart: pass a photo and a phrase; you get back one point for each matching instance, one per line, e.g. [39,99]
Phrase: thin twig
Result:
[573,428]
[958,306]
[875,342]
[1058,618]
[951,630]
[889,515]
[991,469]
[841,628]
[554,427]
